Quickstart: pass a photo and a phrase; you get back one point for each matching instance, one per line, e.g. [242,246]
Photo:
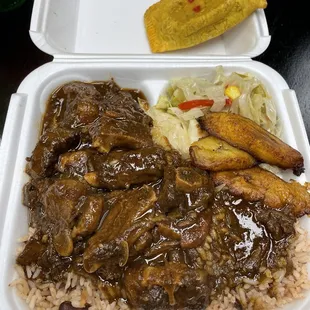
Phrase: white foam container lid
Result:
[98,39]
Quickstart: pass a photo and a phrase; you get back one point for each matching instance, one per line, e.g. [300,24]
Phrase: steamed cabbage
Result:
[181,127]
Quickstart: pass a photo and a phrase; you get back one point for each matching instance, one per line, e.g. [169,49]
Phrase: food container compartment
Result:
[150,78]
[86,50]
[115,29]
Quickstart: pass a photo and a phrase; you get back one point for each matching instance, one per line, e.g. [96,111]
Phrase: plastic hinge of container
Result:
[132,59]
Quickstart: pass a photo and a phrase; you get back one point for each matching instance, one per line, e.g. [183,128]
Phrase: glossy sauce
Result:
[213,240]
[247,235]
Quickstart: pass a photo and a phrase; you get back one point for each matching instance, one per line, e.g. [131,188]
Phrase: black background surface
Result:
[288,53]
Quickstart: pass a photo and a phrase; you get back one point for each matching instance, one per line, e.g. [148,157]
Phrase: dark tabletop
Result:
[288,53]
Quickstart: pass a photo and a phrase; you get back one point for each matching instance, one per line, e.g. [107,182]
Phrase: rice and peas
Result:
[275,291]
[277,288]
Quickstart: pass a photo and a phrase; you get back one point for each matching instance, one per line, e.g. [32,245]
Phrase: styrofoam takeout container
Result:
[99,39]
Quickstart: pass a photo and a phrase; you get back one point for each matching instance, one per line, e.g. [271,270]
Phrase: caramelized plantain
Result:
[213,154]
[257,184]
[246,135]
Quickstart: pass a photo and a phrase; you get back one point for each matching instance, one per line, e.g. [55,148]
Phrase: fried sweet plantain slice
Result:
[213,154]
[246,135]
[177,24]
[257,184]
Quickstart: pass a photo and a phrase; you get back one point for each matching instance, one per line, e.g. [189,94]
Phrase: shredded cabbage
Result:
[181,128]
[173,128]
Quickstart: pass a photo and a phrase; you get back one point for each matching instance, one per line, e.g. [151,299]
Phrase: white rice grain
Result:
[89,290]
[250,281]
[38,294]
[31,284]
[68,283]
[20,271]
[33,302]
[242,296]
[74,280]
[53,291]
[31,293]
[82,280]
[36,273]
[28,272]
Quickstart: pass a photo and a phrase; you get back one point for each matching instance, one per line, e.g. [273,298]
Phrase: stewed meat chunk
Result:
[112,131]
[126,221]
[45,155]
[171,286]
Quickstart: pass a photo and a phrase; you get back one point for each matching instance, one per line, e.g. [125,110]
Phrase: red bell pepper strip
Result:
[187,105]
